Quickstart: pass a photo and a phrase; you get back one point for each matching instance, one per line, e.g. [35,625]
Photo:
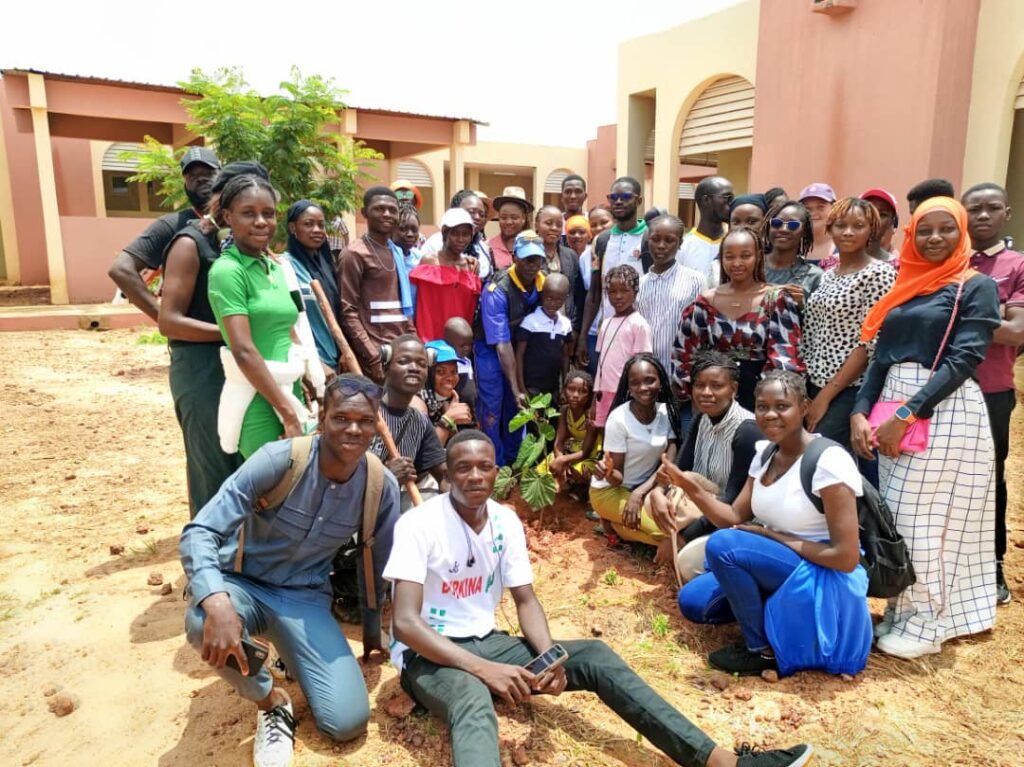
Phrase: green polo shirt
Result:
[255,287]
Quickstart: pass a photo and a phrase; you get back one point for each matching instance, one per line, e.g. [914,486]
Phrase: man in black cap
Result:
[198,166]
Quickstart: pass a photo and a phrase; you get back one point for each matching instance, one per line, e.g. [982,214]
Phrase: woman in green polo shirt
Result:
[256,314]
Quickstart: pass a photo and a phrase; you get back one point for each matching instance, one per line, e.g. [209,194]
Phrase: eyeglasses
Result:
[405,194]
[621,196]
[350,388]
[778,223]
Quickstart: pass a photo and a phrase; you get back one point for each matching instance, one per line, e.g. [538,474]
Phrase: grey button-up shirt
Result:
[293,545]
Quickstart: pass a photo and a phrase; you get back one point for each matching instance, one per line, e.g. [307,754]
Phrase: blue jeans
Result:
[592,354]
[744,569]
[495,405]
[308,639]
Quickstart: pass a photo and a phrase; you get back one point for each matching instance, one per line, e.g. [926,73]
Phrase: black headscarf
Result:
[319,262]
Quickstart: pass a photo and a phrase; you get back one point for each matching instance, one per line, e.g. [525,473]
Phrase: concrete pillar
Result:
[461,136]
[348,123]
[48,190]
[665,183]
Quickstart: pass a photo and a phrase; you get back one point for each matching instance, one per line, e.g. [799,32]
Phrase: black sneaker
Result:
[751,756]
[737,659]
[1003,595]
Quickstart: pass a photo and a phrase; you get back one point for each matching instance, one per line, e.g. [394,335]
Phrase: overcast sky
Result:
[539,71]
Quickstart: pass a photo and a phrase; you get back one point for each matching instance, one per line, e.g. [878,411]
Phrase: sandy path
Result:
[92,455]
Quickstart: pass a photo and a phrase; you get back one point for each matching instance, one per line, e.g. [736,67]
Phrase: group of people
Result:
[693,371]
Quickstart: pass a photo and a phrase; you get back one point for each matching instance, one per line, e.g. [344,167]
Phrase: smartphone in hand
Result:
[256,654]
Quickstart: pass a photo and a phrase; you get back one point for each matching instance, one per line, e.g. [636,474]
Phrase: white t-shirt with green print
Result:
[463,573]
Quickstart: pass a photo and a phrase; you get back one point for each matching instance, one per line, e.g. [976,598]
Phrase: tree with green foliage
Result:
[289,132]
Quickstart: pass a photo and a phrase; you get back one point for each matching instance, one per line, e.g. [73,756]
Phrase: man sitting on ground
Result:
[452,559]
[278,585]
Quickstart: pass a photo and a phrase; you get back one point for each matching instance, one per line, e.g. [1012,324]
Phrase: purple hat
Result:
[818,189]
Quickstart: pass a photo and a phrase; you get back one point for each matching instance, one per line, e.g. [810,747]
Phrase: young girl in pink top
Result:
[620,337]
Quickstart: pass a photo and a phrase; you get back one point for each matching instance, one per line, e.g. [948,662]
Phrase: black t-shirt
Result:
[150,247]
[414,437]
[545,340]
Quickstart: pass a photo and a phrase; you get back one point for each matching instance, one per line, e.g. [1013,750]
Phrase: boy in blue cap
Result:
[508,298]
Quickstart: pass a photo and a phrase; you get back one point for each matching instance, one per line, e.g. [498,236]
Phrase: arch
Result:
[717,116]
[553,182]
[415,172]
[112,160]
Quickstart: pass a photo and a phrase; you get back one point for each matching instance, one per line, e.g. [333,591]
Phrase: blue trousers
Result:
[299,623]
[495,405]
[744,569]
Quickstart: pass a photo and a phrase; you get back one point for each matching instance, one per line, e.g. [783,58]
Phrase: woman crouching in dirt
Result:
[793,581]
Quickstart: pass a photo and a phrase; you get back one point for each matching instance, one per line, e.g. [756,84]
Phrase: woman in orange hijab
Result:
[930,332]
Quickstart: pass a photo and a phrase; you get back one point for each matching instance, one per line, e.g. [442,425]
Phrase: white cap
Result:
[455,217]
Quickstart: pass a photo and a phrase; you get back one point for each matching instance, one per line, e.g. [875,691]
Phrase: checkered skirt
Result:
[943,501]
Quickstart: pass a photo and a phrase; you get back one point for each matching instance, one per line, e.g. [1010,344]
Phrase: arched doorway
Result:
[553,186]
[415,172]
[123,198]
[1015,168]
[718,132]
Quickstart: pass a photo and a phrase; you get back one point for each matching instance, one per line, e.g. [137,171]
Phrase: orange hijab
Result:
[917,275]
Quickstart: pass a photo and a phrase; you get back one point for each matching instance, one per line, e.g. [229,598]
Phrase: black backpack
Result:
[885,557]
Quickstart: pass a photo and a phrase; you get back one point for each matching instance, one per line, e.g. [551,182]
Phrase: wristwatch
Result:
[904,414]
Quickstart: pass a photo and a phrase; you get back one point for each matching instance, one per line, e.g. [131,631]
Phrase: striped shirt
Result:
[661,302]
[712,455]
[414,437]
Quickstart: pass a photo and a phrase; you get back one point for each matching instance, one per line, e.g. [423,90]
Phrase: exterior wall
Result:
[522,159]
[825,112]
[73,166]
[674,67]
[601,164]
[998,71]
[90,246]
[735,166]
[24,181]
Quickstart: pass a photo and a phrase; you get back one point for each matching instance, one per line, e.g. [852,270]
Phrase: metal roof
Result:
[175,89]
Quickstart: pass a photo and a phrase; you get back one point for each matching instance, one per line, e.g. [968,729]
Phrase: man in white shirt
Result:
[450,562]
[700,246]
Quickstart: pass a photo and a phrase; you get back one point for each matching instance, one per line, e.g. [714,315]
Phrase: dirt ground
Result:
[92,460]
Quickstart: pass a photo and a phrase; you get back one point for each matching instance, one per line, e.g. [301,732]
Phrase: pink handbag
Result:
[915,438]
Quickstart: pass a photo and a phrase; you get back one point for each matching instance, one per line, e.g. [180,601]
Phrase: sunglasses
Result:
[350,388]
[621,196]
[778,223]
[405,194]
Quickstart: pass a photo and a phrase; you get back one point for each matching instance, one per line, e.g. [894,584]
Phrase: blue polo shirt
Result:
[494,309]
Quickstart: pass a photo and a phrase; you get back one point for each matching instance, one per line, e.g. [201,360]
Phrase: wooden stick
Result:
[392,448]
[350,363]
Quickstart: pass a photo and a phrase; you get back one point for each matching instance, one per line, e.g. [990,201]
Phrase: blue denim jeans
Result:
[744,569]
[310,642]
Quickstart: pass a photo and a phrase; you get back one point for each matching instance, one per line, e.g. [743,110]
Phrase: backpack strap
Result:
[810,464]
[372,495]
[301,447]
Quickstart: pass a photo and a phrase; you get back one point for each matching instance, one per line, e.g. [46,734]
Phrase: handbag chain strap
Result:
[949,327]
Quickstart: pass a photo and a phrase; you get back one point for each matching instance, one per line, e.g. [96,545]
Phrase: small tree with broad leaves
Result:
[536,488]
[288,132]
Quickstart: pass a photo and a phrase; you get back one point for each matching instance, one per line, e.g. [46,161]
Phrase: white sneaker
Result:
[884,626]
[275,737]
[901,647]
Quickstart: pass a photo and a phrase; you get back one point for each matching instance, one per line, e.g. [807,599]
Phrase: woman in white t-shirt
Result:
[748,563]
[641,428]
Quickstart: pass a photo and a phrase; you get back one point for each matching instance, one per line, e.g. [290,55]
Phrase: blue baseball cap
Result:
[443,351]
[528,243]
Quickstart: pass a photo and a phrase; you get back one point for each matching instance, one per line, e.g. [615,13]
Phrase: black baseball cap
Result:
[199,154]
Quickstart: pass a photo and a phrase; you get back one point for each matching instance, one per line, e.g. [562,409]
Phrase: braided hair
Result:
[238,185]
[758,275]
[626,274]
[843,208]
[709,359]
[584,376]
[806,233]
[665,395]
[791,383]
